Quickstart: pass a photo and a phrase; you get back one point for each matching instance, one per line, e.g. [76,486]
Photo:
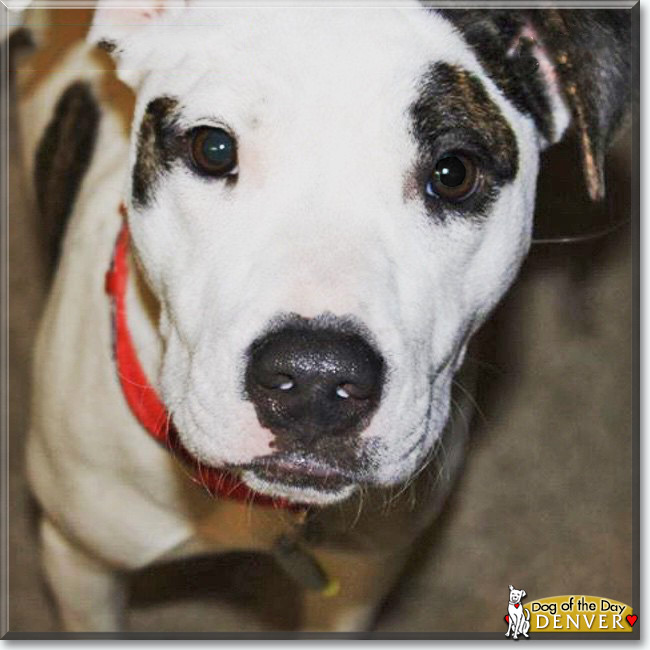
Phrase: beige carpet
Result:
[545,502]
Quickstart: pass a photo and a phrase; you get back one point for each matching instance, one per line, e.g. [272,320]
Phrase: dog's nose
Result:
[311,383]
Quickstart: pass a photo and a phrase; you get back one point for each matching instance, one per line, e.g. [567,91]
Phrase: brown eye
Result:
[454,178]
[214,151]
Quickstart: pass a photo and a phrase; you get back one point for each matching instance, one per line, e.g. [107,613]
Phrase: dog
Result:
[282,227]
[518,617]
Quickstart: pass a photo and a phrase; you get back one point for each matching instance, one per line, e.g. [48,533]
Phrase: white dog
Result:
[518,617]
[319,208]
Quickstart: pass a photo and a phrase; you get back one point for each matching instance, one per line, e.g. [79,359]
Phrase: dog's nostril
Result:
[309,383]
[342,392]
[287,384]
[276,381]
[349,390]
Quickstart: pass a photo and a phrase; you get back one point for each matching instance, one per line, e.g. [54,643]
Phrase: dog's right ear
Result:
[510,587]
[123,29]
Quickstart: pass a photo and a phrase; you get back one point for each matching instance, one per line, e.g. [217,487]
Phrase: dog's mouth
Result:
[298,478]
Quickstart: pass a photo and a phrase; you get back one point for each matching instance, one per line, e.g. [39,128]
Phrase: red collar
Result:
[145,404]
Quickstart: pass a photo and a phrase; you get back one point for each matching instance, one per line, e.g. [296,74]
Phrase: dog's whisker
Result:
[462,414]
[172,445]
[472,400]
[394,496]
[487,365]
[163,425]
[389,499]
[199,467]
[430,456]
[414,476]
[357,516]
[412,497]
[236,485]
[127,379]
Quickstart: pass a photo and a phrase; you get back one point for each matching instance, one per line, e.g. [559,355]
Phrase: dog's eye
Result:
[454,178]
[214,151]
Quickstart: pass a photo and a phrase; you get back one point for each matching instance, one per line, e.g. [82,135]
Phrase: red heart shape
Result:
[631,619]
[506,618]
[517,606]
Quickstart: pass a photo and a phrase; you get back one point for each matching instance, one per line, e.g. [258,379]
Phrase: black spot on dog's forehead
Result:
[158,146]
[452,100]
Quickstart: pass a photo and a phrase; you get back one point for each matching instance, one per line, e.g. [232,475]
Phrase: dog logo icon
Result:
[518,618]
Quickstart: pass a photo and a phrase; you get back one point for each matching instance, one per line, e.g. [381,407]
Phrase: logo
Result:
[517,618]
[566,614]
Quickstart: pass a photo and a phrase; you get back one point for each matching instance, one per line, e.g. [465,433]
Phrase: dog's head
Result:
[516,594]
[327,203]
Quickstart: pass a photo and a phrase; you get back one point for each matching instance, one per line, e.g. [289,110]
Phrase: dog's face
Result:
[516,594]
[327,204]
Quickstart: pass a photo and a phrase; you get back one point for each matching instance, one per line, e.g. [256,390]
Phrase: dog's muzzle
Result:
[310,384]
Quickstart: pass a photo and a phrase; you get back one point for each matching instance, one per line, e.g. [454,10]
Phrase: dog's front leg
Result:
[89,594]
[364,579]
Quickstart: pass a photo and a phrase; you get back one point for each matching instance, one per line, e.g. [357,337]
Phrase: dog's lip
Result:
[299,469]
[296,464]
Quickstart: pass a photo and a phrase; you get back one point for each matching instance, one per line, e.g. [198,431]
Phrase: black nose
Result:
[311,383]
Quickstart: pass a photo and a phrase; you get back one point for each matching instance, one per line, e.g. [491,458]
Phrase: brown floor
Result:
[545,502]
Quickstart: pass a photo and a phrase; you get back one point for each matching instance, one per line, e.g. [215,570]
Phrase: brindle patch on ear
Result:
[454,113]
[491,35]
[592,53]
[157,147]
[62,159]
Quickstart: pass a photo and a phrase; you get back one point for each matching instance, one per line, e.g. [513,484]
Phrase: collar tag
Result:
[300,564]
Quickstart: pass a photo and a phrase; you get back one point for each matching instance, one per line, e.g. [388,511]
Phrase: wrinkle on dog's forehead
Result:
[453,104]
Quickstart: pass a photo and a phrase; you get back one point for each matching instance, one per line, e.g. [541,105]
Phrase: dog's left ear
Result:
[591,54]
[523,593]
[123,29]
[561,67]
